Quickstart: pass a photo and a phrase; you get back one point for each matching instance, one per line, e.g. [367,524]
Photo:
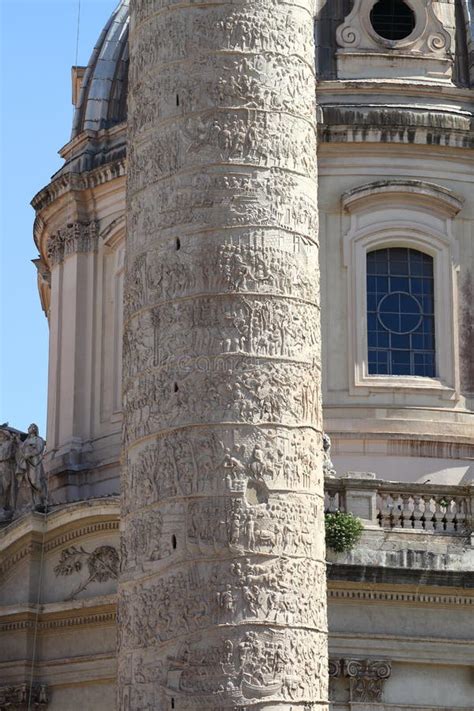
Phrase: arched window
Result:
[402,261]
[400,312]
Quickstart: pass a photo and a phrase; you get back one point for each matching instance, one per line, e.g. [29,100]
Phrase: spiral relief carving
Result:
[222,596]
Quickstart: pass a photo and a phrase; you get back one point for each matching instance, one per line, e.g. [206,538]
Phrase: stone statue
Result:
[8,446]
[30,466]
[328,467]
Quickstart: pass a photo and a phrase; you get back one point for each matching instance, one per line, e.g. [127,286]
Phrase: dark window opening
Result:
[392,19]
[400,313]
[174,542]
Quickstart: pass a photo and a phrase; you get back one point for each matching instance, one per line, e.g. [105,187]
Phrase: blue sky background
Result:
[37,50]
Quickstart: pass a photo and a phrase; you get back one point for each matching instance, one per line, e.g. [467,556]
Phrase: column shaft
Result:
[222,600]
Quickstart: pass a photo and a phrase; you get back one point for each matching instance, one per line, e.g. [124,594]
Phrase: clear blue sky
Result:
[37,50]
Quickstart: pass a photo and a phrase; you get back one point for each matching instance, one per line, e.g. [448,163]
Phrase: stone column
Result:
[222,599]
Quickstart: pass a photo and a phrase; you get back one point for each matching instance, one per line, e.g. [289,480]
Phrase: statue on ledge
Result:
[328,467]
[30,466]
[22,476]
[8,445]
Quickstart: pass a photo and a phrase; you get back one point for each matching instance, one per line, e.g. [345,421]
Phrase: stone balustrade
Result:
[392,505]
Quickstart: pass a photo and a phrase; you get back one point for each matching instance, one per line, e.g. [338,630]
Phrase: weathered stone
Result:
[222,591]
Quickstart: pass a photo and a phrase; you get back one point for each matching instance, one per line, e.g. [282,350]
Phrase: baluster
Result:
[412,509]
[458,515]
[446,510]
[385,515]
[433,508]
[380,508]
[420,507]
[404,509]
[390,508]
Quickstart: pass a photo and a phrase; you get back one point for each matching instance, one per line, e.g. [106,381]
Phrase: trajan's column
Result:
[222,594]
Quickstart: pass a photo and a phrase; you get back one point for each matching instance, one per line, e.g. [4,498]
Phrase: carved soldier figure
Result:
[30,465]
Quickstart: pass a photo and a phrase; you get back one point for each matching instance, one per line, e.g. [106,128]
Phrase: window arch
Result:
[400,312]
[405,224]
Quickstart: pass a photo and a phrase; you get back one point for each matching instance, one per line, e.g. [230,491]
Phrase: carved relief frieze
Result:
[231,667]
[271,140]
[281,33]
[221,389]
[277,591]
[166,335]
[221,460]
[75,237]
[240,198]
[258,262]
[222,595]
[152,536]
[252,82]
[282,525]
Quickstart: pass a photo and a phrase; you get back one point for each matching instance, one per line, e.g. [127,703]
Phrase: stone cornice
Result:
[378,575]
[369,124]
[98,611]
[78,181]
[419,445]
[440,198]
[399,597]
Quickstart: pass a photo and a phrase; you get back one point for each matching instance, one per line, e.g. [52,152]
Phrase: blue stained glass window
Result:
[400,312]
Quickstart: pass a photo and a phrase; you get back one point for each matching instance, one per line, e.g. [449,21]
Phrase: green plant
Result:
[343,530]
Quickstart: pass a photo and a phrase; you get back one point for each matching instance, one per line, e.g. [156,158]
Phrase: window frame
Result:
[389,349]
[413,215]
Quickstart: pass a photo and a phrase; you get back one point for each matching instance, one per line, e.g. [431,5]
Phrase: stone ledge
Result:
[400,576]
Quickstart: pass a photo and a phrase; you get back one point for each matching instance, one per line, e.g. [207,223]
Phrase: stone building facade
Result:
[394,116]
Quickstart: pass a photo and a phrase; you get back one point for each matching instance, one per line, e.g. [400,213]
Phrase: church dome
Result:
[102,99]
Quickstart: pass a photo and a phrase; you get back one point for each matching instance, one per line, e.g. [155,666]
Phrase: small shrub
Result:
[343,530]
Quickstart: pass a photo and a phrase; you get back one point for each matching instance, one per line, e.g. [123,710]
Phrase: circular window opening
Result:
[400,312]
[392,19]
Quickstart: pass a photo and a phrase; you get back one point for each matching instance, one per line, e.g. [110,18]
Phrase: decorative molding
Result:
[440,199]
[400,597]
[78,181]
[97,527]
[31,545]
[428,35]
[77,237]
[426,50]
[21,553]
[45,623]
